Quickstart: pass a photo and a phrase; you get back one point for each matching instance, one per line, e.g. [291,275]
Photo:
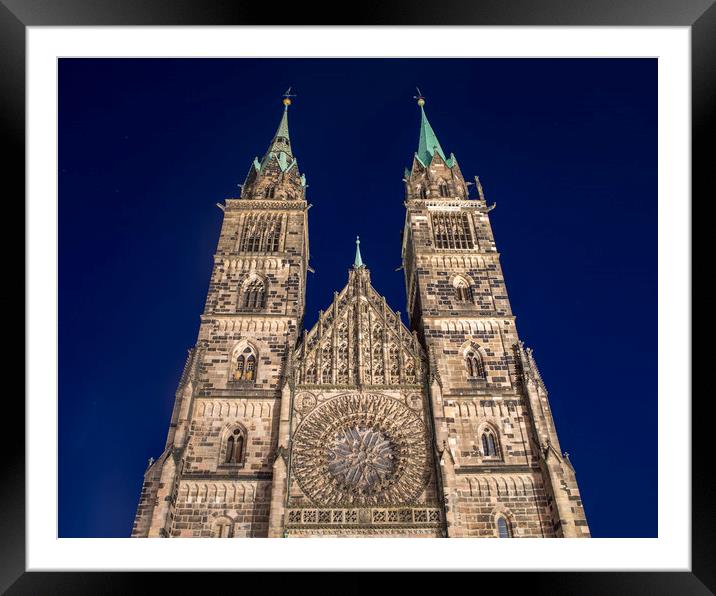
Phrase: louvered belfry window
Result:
[261,233]
[452,230]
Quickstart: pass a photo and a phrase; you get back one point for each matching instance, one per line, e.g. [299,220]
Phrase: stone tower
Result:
[214,477]
[359,426]
[503,472]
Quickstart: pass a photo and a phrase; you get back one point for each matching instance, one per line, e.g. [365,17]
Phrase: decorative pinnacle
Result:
[358,260]
[287,97]
[419,97]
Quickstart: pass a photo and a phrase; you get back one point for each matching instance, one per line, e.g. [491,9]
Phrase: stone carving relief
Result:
[361,449]
[305,402]
[359,340]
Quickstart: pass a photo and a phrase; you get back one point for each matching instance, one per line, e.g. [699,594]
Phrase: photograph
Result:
[357,297]
[321,290]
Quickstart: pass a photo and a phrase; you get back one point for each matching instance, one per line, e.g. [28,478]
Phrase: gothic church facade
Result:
[360,426]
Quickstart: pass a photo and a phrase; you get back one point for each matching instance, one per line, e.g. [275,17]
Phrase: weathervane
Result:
[287,97]
[419,97]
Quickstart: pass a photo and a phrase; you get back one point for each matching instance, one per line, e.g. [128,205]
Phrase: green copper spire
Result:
[428,144]
[358,260]
[281,142]
[280,147]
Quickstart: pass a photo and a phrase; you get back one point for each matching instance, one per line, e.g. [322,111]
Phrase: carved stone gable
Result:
[359,340]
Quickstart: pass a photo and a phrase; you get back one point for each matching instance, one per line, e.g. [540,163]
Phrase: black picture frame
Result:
[16,15]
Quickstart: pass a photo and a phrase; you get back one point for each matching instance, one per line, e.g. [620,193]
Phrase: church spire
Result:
[281,142]
[358,262]
[433,174]
[428,144]
[276,176]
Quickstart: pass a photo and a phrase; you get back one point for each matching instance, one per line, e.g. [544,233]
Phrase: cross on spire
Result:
[419,97]
[287,95]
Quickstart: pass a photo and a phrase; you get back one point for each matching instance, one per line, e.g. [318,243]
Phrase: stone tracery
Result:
[359,340]
[361,449]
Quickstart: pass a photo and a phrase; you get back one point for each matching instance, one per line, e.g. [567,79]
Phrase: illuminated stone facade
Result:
[360,426]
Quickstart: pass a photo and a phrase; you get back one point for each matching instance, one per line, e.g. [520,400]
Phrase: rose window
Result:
[361,449]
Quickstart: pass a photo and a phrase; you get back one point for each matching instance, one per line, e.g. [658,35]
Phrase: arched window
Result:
[222,528]
[254,295]
[489,443]
[343,374]
[475,365]
[311,374]
[250,373]
[443,189]
[463,291]
[272,236]
[234,447]
[423,193]
[261,233]
[253,242]
[452,230]
[326,375]
[245,367]
[503,528]
[270,192]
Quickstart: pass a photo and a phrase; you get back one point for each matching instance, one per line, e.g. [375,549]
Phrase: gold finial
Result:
[287,97]
[419,97]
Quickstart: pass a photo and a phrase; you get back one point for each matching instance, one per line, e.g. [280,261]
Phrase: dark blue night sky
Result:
[566,148]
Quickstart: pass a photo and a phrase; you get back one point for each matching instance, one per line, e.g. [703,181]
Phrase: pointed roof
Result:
[316,362]
[280,146]
[281,142]
[428,143]
[358,262]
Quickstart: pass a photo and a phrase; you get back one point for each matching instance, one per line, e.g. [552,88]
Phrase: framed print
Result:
[225,219]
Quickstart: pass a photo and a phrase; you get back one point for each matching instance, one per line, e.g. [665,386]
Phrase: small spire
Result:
[358,260]
[428,143]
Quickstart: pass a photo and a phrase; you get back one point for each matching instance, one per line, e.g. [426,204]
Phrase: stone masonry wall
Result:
[519,497]
[516,483]
[213,418]
[223,337]
[202,505]
[205,494]
[467,417]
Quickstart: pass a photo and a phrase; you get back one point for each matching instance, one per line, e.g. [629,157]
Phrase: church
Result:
[360,426]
